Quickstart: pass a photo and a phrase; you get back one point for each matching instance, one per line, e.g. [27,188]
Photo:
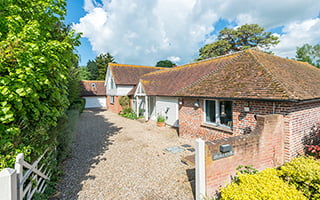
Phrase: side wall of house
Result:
[301,127]
[114,107]
[123,90]
[299,120]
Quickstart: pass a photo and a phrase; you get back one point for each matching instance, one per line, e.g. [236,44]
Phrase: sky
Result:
[142,32]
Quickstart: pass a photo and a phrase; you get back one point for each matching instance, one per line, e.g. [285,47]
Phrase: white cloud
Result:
[144,32]
[174,59]
[296,34]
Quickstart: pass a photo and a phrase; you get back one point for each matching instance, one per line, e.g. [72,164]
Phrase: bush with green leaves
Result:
[304,174]
[36,62]
[128,113]
[124,102]
[263,185]
[65,132]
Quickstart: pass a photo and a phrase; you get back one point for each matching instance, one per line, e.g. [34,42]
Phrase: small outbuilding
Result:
[94,92]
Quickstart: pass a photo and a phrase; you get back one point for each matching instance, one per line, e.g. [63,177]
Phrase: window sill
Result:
[216,127]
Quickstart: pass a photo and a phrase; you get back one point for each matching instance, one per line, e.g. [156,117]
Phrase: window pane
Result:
[210,111]
[226,113]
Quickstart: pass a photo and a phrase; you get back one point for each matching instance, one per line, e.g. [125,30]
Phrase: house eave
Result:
[255,99]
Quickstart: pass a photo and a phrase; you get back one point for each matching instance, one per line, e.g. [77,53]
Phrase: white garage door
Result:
[95,102]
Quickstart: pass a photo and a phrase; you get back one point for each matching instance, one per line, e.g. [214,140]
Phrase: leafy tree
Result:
[310,54]
[102,62]
[165,63]
[93,70]
[84,73]
[233,40]
[36,61]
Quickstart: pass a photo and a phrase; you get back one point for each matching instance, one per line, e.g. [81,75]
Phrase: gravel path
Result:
[117,158]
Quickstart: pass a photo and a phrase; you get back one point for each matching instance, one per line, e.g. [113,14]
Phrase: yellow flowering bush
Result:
[304,174]
[265,185]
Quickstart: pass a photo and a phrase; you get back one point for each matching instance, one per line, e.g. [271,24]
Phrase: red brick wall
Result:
[299,118]
[191,122]
[263,148]
[301,122]
[115,107]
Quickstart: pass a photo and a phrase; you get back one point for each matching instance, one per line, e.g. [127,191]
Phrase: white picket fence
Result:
[25,179]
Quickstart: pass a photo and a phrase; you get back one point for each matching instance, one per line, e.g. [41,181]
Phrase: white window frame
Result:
[111,99]
[217,109]
[112,85]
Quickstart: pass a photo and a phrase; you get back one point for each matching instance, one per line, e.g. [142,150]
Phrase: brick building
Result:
[94,92]
[120,80]
[221,97]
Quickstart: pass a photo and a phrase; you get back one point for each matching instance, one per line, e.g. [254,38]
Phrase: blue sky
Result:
[144,32]
[74,12]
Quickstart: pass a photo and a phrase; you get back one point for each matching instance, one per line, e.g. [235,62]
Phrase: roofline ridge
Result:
[241,53]
[271,75]
[190,64]
[162,69]
[131,65]
[225,55]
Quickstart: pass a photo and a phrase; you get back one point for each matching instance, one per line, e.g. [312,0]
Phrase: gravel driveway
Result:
[117,158]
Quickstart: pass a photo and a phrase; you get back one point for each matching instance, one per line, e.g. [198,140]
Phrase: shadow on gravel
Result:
[191,173]
[92,139]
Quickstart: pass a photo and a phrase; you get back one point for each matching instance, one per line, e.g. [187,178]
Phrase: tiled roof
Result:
[254,74]
[129,74]
[92,88]
[168,82]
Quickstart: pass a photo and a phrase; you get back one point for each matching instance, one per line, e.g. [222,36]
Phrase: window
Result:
[218,112]
[111,84]
[112,99]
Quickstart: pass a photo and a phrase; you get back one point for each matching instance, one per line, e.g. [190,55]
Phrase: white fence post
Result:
[8,184]
[200,169]
[19,168]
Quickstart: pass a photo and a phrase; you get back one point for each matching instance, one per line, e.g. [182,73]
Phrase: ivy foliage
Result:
[36,59]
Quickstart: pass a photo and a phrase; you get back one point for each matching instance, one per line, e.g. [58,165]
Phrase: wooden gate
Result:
[22,182]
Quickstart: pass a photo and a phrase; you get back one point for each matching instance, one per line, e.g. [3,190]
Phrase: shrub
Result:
[124,101]
[304,174]
[78,104]
[128,113]
[313,150]
[64,132]
[263,185]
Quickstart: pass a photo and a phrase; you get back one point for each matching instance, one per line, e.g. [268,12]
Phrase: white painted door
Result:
[168,107]
[95,102]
